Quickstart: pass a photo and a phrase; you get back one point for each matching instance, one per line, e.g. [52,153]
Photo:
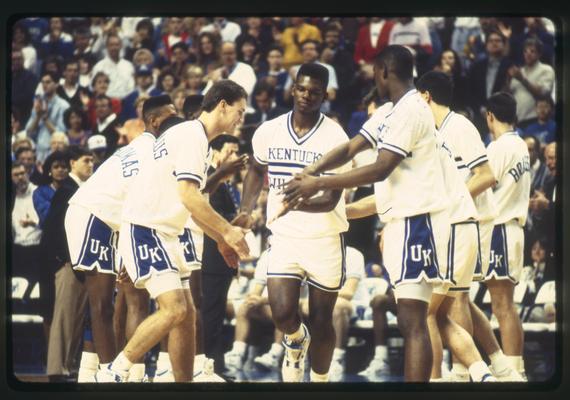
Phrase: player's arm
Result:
[339,156]
[304,186]
[324,203]
[209,220]
[349,288]
[252,185]
[482,179]
[362,208]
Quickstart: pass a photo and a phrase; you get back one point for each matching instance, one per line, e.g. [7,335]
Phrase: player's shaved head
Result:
[439,86]
[152,106]
[315,71]
[398,60]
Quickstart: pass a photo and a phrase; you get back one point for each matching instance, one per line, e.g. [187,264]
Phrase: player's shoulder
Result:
[187,130]
[333,128]
[272,124]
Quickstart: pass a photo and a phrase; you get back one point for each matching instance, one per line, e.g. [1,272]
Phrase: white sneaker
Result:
[336,371]
[206,373]
[488,378]
[293,367]
[378,370]
[108,375]
[233,361]
[509,376]
[163,376]
[455,377]
[268,360]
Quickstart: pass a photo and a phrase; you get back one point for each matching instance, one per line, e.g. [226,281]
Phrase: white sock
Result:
[87,366]
[239,347]
[296,336]
[121,363]
[163,361]
[436,380]
[478,370]
[499,362]
[276,349]
[459,369]
[136,373]
[516,363]
[338,354]
[319,377]
[381,352]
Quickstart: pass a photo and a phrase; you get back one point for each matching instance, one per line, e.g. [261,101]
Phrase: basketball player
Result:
[411,196]
[93,220]
[307,243]
[510,163]
[464,142]
[162,197]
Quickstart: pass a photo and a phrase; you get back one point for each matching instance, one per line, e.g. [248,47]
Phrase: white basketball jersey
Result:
[510,162]
[276,145]
[416,185]
[104,193]
[464,141]
[181,152]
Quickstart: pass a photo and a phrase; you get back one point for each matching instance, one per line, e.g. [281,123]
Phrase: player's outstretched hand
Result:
[235,238]
[301,187]
[243,220]
[230,256]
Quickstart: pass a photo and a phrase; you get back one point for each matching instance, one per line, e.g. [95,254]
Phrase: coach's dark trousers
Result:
[215,288]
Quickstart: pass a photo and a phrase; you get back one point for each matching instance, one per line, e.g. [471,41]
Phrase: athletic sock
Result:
[87,366]
[478,370]
[121,363]
[319,377]
[338,354]
[500,363]
[381,352]
[163,361]
[239,347]
[516,363]
[276,349]
[296,336]
[459,369]
[136,373]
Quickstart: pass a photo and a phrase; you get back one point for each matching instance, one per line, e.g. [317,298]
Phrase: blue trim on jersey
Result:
[478,161]
[445,120]
[285,275]
[459,289]
[478,273]
[394,149]
[505,244]
[198,259]
[368,136]
[259,160]
[405,249]
[188,175]
[134,250]
[308,135]
[450,256]
[98,248]
[432,239]
[286,164]
[280,173]
[161,247]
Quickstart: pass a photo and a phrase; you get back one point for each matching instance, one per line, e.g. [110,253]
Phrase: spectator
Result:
[534,28]
[167,82]
[310,50]
[144,87]
[23,86]
[264,104]
[275,74]
[143,57]
[178,96]
[543,199]
[450,64]
[75,120]
[248,51]
[143,38]
[82,43]
[56,41]
[16,126]
[100,86]
[55,172]
[298,32]
[119,70]
[234,70]
[101,29]
[544,129]
[175,33]
[26,155]
[227,30]
[414,34]
[528,83]
[372,39]
[47,115]
[21,40]
[70,298]
[58,142]
[70,90]
[86,63]
[37,27]
[488,76]
[537,168]
[464,30]
[107,122]
[208,51]
[97,145]
[194,80]
[260,31]
[53,64]
[192,106]
[135,126]
[179,60]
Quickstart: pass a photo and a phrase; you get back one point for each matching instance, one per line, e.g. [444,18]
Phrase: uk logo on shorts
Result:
[149,253]
[419,256]
[499,258]
[188,245]
[98,248]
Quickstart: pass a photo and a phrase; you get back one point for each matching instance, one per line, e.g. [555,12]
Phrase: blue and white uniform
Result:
[94,215]
[304,245]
